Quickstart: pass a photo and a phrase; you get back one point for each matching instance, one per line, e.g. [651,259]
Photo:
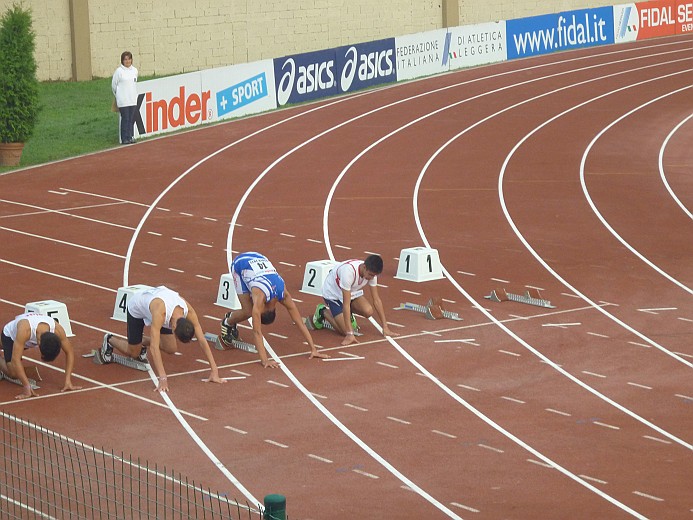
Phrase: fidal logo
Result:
[175,112]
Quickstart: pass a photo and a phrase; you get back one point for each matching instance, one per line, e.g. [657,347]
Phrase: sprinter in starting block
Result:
[259,288]
[170,318]
[31,330]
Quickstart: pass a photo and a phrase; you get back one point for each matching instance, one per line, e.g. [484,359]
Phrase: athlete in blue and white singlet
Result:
[259,288]
[255,270]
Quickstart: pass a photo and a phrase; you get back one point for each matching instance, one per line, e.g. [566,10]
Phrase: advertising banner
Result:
[303,77]
[422,54]
[652,19]
[366,64]
[625,23]
[240,90]
[557,32]
[472,45]
[171,103]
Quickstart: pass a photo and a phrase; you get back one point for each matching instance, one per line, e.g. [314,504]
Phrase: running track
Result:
[569,173]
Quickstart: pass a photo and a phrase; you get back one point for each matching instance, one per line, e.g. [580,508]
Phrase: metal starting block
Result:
[16,381]
[327,325]
[433,310]
[126,361]
[531,297]
[240,345]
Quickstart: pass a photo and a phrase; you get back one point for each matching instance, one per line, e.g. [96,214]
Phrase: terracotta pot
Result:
[10,153]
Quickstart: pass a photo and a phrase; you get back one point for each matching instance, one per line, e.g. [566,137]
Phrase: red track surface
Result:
[582,411]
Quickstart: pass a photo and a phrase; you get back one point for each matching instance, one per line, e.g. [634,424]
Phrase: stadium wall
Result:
[179,36]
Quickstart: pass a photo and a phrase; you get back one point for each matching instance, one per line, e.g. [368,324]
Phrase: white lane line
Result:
[593,374]
[277,383]
[179,239]
[597,334]
[203,276]
[466,273]
[561,325]
[386,364]
[510,353]
[593,479]
[314,241]
[355,407]
[210,219]
[565,414]
[280,336]
[640,386]
[491,448]
[350,358]
[635,343]
[500,280]
[185,214]
[288,265]
[237,430]
[657,310]
[319,396]
[395,419]
[349,354]
[175,270]
[538,463]
[656,439]
[466,387]
[154,233]
[275,443]
[287,235]
[321,459]
[466,508]
[598,423]
[204,245]
[66,212]
[151,264]
[661,166]
[57,276]
[645,495]
[411,292]
[365,473]
[444,434]
[512,399]
[63,242]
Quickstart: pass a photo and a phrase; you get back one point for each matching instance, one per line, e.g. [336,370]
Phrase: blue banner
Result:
[366,64]
[303,77]
[558,32]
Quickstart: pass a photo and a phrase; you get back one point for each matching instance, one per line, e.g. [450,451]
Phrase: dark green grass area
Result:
[75,119]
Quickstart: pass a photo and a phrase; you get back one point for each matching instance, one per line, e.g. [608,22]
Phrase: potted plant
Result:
[19,99]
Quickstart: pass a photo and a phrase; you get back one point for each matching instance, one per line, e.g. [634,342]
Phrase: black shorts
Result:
[136,329]
[7,347]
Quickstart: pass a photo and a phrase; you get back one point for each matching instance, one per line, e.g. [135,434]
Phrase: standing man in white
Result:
[124,87]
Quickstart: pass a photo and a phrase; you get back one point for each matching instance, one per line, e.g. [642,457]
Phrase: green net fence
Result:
[45,475]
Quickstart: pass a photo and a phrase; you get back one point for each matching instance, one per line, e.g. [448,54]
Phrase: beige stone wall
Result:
[52,28]
[473,11]
[173,36]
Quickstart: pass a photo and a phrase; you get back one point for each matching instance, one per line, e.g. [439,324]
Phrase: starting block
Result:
[419,264]
[314,276]
[433,310]
[54,309]
[126,361]
[327,326]
[531,297]
[226,295]
[120,309]
[240,345]
[16,381]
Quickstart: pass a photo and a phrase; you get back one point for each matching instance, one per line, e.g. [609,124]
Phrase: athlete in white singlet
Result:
[28,331]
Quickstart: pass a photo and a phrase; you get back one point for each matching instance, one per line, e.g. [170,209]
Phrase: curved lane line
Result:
[594,207]
[661,167]
[235,217]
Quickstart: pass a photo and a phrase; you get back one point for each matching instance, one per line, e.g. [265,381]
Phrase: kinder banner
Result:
[422,54]
[472,45]
[558,32]
[176,102]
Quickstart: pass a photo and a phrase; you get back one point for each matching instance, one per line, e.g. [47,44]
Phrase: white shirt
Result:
[124,86]
[10,330]
[138,304]
[345,276]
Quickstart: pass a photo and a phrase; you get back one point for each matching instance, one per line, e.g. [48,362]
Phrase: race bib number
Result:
[261,266]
